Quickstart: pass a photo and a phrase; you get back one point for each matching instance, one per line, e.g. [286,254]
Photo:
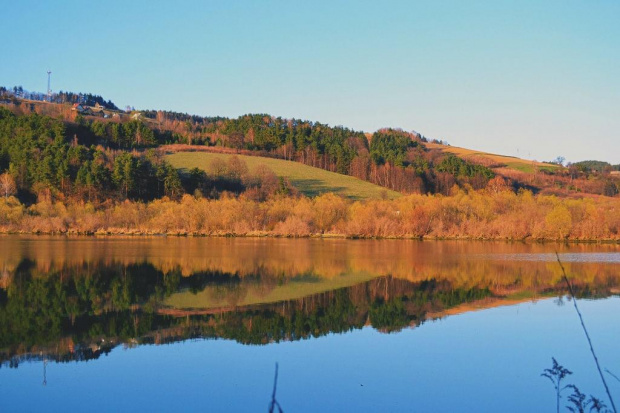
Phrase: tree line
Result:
[495,213]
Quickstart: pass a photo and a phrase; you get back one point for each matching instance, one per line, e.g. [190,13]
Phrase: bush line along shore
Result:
[502,215]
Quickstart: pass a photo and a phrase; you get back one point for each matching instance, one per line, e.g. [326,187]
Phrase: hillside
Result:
[494,161]
[311,152]
[308,180]
[92,175]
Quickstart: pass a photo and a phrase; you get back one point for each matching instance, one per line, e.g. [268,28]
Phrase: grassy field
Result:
[307,179]
[488,159]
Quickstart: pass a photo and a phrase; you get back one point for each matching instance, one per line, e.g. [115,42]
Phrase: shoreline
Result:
[260,234]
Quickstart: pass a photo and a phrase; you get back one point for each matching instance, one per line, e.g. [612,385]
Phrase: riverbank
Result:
[180,234]
[465,215]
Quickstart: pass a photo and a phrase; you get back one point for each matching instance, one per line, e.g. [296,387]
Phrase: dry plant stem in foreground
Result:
[598,366]
[274,403]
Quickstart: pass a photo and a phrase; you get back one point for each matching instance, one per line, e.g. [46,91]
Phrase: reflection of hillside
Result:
[76,298]
[82,311]
[56,333]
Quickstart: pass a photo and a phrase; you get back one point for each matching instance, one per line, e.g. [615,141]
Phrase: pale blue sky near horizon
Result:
[535,79]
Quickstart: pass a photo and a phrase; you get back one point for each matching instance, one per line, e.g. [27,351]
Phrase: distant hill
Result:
[595,166]
[87,99]
[495,161]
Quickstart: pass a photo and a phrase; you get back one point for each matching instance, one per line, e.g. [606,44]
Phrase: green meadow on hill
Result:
[308,180]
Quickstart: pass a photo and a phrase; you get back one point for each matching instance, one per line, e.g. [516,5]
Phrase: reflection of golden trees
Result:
[498,266]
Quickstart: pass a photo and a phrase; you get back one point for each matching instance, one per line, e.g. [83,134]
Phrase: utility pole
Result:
[49,89]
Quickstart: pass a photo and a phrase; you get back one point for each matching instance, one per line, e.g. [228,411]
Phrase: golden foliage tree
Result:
[559,221]
[7,185]
[328,210]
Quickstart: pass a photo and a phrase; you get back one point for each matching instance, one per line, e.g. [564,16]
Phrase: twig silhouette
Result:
[612,375]
[274,403]
[580,403]
[585,330]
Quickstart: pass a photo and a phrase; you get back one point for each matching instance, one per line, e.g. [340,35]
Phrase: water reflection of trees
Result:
[414,260]
[80,311]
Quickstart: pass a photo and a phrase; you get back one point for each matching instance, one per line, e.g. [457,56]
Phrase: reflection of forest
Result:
[68,309]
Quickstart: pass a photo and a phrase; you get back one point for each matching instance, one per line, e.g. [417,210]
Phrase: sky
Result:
[534,79]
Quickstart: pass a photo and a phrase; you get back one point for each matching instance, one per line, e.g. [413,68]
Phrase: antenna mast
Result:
[49,89]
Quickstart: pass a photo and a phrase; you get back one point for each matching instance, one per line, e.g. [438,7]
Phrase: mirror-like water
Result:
[198,324]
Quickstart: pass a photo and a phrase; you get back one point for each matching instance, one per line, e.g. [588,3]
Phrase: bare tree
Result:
[7,185]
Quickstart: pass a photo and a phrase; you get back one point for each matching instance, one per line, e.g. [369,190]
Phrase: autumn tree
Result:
[497,185]
[559,221]
[7,185]
[237,168]
[329,209]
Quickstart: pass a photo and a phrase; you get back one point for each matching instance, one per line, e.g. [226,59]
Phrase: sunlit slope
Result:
[307,179]
[304,285]
[492,160]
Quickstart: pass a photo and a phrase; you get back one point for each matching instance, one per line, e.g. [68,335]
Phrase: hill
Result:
[495,161]
[308,180]
[399,161]
[111,176]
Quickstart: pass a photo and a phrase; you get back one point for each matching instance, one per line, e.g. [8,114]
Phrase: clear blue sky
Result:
[537,79]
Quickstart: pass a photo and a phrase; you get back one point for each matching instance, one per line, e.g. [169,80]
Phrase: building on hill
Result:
[88,111]
[81,109]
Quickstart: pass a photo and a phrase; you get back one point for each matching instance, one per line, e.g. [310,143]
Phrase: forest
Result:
[37,154]
[103,176]
[391,158]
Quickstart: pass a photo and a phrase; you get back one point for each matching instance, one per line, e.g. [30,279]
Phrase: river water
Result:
[198,324]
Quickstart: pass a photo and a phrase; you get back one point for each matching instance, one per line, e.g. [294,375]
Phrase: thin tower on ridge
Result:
[49,89]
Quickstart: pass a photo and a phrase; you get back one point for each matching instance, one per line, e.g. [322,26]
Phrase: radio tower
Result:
[49,89]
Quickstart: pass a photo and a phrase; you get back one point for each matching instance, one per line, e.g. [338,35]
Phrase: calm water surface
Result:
[160,324]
